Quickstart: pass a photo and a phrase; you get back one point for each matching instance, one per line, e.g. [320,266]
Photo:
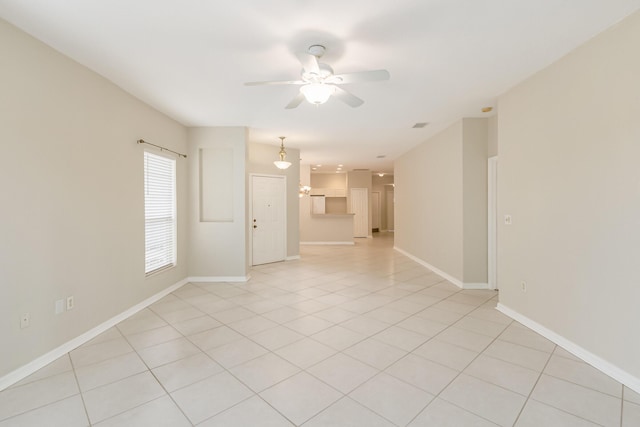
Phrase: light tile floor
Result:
[346,336]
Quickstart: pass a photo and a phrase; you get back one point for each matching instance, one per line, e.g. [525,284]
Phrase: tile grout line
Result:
[157,381]
[80,392]
[534,387]
[341,352]
[383,281]
[225,369]
[437,395]
[53,402]
[551,406]
[395,324]
[254,393]
[245,336]
[411,351]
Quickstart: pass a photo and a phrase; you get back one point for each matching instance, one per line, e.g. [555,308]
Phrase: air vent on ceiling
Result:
[420,125]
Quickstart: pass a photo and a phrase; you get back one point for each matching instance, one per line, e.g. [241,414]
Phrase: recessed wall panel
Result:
[216,184]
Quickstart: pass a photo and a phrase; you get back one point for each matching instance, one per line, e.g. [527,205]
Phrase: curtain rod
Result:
[142,141]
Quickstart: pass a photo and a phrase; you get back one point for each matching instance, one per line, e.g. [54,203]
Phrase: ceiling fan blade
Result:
[295,101]
[309,63]
[347,98]
[360,77]
[282,82]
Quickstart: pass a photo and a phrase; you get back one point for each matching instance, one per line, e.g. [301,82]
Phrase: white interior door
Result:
[268,221]
[360,207]
[375,207]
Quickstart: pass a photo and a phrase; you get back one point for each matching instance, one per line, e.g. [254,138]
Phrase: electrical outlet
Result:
[25,320]
[59,306]
[523,285]
[507,219]
[70,303]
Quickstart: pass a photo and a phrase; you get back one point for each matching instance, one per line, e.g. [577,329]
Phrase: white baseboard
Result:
[219,278]
[459,283]
[42,361]
[439,272]
[292,258]
[327,243]
[469,285]
[597,362]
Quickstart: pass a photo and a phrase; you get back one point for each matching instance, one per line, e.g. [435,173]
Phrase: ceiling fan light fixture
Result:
[317,93]
[282,163]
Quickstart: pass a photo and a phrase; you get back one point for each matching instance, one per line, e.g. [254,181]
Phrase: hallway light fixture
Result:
[282,163]
[304,190]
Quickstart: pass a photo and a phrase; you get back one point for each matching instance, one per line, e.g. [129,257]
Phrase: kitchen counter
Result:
[332,215]
[328,229]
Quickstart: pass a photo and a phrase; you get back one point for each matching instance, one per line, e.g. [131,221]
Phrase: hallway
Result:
[347,336]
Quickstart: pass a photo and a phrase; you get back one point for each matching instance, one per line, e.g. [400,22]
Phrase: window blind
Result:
[159,212]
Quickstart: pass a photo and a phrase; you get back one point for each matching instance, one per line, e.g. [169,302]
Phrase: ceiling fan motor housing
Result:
[316,50]
[324,72]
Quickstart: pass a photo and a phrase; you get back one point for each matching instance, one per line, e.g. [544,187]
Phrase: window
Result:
[159,212]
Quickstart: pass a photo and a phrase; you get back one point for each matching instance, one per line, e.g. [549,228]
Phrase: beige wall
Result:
[428,192]
[261,157]
[329,180]
[441,202]
[492,129]
[71,185]
[474,204]
[359,179]
[335,205]
[570,177]
[218,249]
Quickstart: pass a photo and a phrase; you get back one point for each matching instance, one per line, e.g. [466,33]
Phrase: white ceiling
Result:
[190,58]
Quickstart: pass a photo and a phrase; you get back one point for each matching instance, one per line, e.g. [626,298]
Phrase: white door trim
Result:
[492,226]
[390,206]
[376,209]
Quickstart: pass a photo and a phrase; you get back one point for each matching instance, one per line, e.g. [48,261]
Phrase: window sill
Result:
[157,271]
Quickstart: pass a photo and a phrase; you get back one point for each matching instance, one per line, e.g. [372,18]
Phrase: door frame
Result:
[249,220]
[492,225]
[390,188]
[376,209]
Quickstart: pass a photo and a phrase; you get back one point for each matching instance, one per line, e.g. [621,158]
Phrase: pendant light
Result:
[282,163]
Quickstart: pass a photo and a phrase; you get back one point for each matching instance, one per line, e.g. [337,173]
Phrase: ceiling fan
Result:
[318,82]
